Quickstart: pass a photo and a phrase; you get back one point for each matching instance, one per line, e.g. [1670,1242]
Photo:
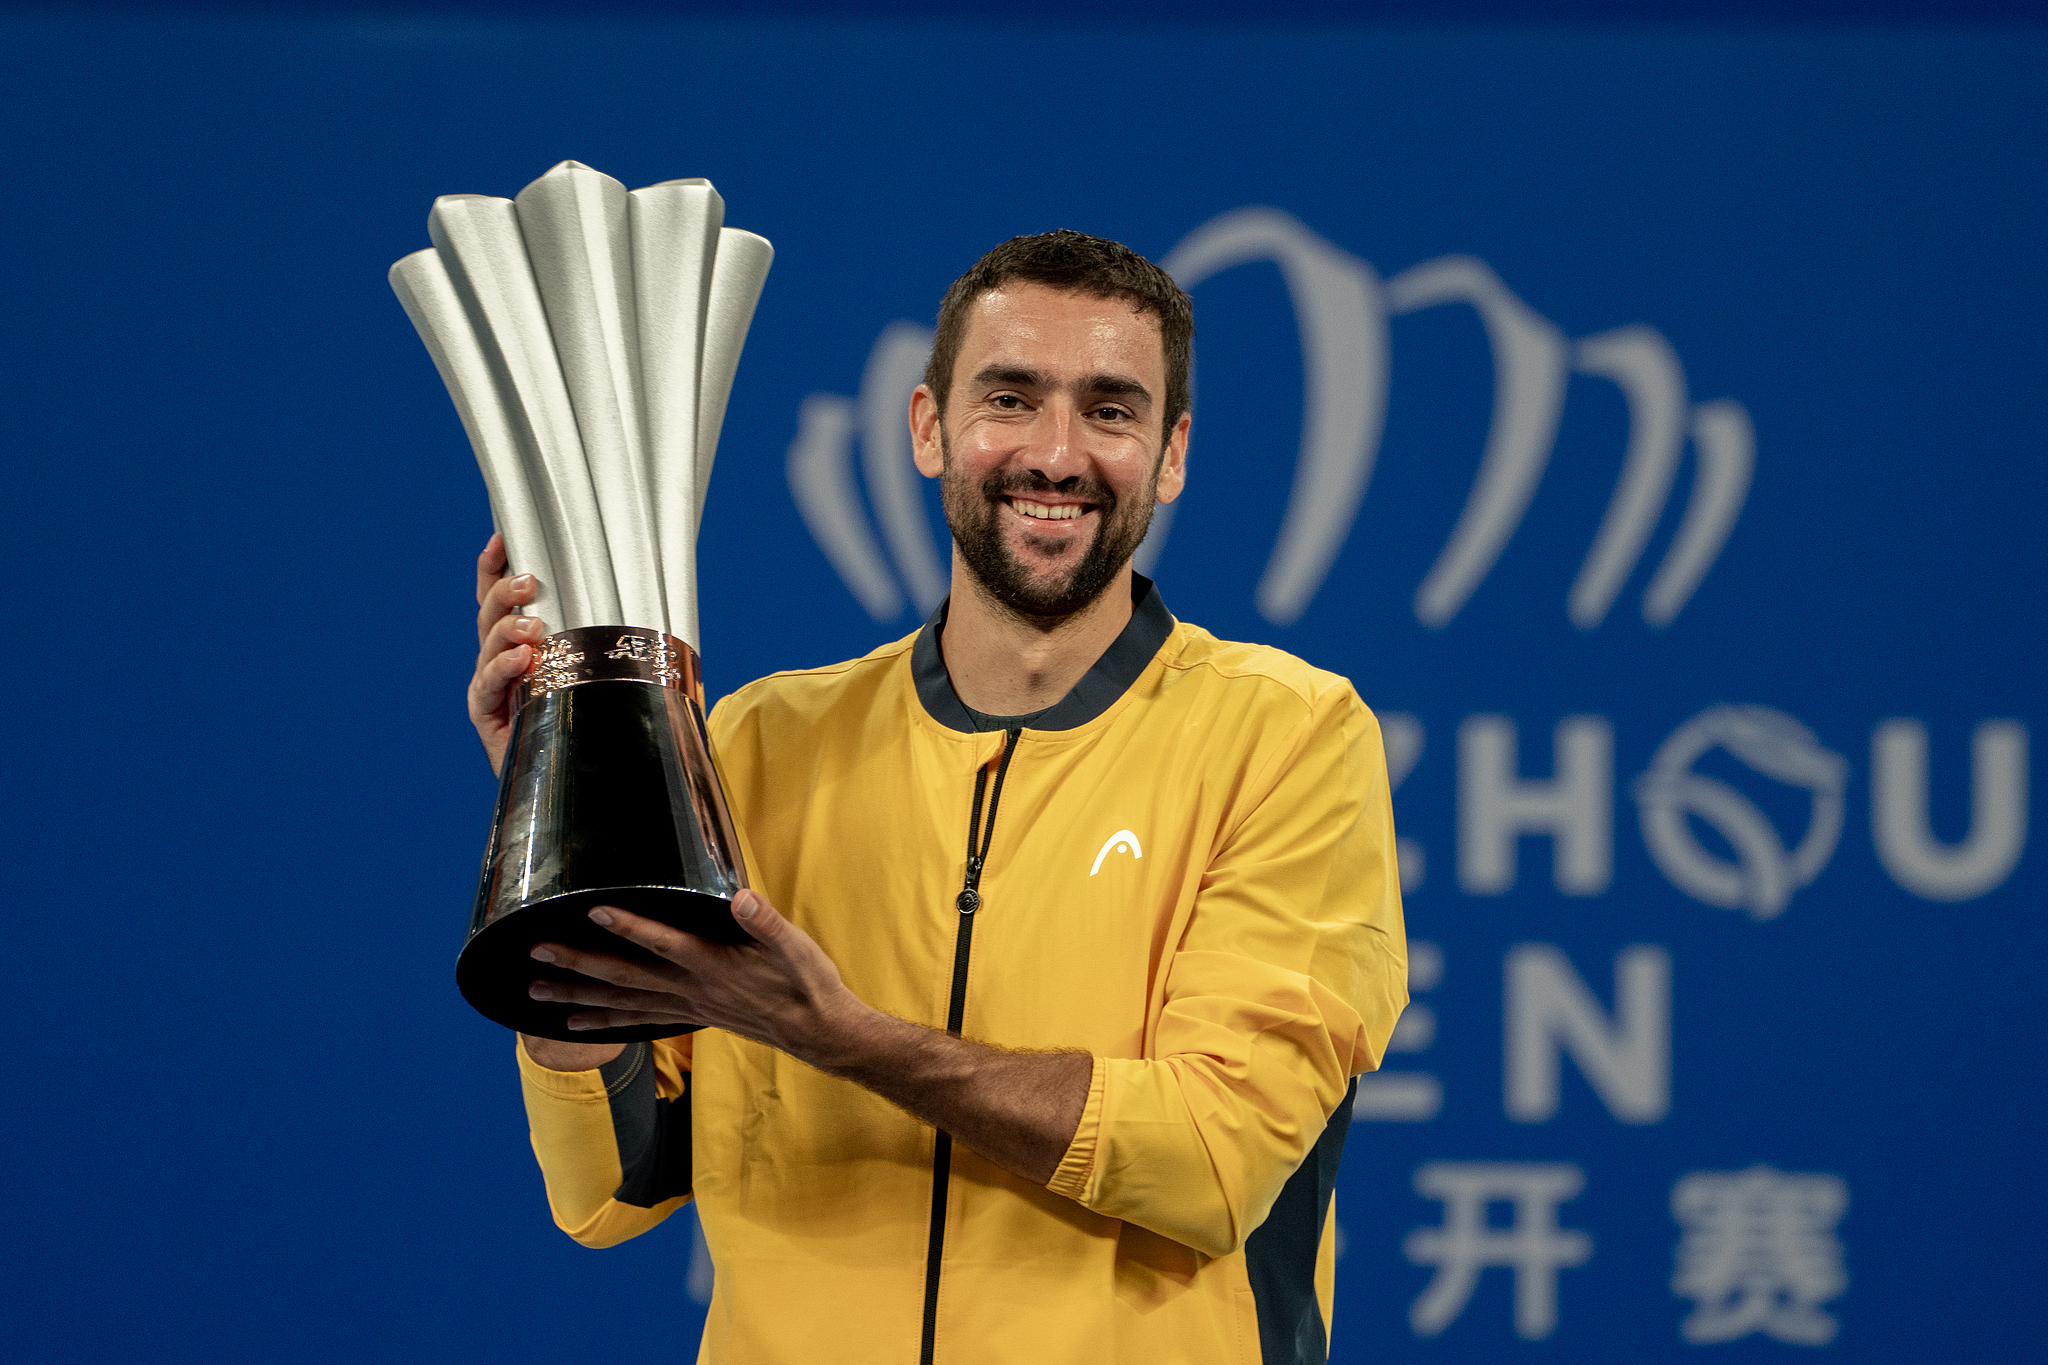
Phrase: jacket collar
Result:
[1107,679]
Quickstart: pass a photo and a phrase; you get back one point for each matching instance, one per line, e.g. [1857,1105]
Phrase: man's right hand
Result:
[505,647]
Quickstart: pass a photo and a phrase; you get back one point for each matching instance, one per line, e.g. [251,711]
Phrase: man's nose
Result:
[1054,451]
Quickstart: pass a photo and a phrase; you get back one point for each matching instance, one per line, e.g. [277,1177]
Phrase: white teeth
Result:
[1065,511]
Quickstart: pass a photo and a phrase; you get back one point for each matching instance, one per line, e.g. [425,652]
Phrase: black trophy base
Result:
[497,966]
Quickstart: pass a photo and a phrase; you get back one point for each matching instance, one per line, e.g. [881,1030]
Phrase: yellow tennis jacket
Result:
[1189,874]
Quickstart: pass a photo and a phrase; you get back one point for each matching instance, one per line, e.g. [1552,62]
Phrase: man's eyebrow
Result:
[1015,375]
[1115,386]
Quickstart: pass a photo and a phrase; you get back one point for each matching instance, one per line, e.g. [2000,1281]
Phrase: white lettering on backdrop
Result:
[1496,805]
[1399,1095]
[1550,1011]
[1899,826]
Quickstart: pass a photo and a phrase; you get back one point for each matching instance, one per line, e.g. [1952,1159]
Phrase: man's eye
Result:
[1111,414]
[1007,401]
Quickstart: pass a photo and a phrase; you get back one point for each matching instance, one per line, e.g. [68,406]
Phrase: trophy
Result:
[589,336]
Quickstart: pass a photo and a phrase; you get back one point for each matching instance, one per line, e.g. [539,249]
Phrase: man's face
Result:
[1050,455]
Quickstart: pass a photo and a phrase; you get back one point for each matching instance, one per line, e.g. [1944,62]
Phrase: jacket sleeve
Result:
[1285,984]
[613,1143]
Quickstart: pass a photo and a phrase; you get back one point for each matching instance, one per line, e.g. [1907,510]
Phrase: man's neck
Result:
[1003,664]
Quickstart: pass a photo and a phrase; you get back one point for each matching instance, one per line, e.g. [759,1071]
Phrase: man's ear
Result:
[1173,462]
[925,447]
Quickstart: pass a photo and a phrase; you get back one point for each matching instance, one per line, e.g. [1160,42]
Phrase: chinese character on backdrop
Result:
[1532,1246]
[1759,1254]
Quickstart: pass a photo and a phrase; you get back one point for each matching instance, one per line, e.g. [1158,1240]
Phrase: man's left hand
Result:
[1018,1109]
[780,988]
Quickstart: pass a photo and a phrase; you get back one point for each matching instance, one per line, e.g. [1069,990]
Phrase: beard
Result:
[973,513]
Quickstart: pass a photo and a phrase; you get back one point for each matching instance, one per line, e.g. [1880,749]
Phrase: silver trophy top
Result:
[589,336]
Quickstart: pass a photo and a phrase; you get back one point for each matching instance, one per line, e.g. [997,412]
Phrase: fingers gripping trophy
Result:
[589,336]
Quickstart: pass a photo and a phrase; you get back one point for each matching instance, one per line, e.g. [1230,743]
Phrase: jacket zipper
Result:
[967,902]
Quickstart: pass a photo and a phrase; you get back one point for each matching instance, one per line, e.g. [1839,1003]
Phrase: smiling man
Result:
[1074,1086]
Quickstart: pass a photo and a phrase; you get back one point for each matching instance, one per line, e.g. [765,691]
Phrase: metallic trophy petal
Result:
[502,442]
[573,220]
[589,338]
[736,278]
[480,243]
[675,227]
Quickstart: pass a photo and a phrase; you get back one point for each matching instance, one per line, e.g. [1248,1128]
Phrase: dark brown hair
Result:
[1080,264]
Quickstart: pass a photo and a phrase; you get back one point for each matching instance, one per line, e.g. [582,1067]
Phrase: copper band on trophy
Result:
[589,336]
[609,654]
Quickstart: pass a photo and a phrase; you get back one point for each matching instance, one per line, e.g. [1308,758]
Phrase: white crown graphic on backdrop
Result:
[1342,308]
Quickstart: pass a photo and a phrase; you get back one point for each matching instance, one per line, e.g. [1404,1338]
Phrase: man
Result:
[1072,1086]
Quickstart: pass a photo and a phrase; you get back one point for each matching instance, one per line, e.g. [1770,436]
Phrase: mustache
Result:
[1002,482]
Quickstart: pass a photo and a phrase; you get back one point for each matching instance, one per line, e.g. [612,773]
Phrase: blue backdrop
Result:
[1645,418]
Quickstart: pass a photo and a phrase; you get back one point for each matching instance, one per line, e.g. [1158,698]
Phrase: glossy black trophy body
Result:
[608,797]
